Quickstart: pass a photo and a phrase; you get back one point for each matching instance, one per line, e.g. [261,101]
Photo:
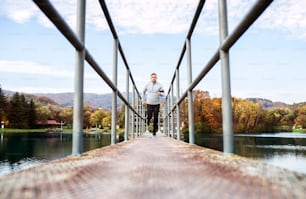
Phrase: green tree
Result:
[121,116]
[14,111]
[43,113]
[32,115]
[18,112]
[106,121]
[24,111]
[3,106]
[96,119]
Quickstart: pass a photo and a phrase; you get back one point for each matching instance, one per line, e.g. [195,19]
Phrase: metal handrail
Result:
[64,28]
[189,35]
[249,19]
[115,36]
[226,42]
[47,8]
[258,8]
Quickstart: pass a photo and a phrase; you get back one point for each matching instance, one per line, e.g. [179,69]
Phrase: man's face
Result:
[153,78]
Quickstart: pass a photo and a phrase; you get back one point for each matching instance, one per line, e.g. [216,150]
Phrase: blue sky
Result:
[268,61]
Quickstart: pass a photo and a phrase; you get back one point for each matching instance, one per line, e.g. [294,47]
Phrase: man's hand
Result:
[144,103]
[160,93]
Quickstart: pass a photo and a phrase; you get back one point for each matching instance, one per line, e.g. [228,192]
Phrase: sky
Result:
[268,61]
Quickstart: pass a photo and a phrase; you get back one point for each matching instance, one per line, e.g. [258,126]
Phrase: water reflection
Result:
[23,150]
[286,150]
[19,151]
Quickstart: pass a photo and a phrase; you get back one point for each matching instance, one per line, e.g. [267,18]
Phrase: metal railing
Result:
[222,53]
[171,116]
[82,54]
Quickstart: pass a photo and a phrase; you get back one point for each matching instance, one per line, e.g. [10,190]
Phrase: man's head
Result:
[153,77]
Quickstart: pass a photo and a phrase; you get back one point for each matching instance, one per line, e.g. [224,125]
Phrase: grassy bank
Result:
[299,130]
[9,130]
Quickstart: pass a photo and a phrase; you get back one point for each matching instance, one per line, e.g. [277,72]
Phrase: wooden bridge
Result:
[151,168]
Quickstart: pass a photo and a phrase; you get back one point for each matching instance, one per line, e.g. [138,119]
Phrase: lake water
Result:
[23,150]
[287,150]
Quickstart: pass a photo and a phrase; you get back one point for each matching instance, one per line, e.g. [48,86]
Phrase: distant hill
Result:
[66,99]
[43,100]
[105,100]
[268,104]
[93,100]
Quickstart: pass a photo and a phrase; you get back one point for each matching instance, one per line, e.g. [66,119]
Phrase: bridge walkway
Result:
[158,167]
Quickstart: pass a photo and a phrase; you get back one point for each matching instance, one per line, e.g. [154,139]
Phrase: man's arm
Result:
[144,96]
[161,91]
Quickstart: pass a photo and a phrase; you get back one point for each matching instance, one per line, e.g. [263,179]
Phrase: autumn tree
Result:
[87,114]
[208,117]
[214,115]
[245,115]
[55,111]
[284,119]
[301,117]
[269,121]
[66,115]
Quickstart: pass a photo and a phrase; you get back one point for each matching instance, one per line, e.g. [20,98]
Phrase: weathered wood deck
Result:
[157,167]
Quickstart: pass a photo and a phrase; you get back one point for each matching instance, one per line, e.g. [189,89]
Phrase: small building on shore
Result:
[49,124]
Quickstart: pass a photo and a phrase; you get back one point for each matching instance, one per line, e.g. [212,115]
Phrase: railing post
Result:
[127,121]
[114,98]
[141,113]
[143,121]
[228,143]
[169,116]
[190,97]
[137,118]
[159,118]
[77,139]
[172,113]
[178,130]
[133,114]
[165,124]
[141,125]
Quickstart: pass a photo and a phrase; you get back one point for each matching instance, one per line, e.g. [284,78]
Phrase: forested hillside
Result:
[249,115]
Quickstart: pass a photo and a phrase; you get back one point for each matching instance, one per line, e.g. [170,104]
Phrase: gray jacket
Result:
[150,93]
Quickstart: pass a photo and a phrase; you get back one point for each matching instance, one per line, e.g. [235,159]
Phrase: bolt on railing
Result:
[222,54]
[82,54]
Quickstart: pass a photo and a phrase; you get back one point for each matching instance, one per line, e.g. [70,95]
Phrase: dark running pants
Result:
[153,110]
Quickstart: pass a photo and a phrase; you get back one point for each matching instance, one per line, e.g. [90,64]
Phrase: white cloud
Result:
[19,11]
[25,67]
[286,16]
[147,16]
[32,68]
[37,89]
[165,16]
